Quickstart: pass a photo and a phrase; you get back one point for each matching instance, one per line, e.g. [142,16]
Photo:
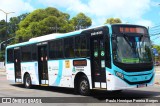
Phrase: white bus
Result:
[109,57]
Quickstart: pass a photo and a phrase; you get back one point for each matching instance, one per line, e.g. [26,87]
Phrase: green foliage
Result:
[2,55]
[12,27]
[13,24]
[2,30]
[41,22]
[113,21]
[81,21]
[158,49]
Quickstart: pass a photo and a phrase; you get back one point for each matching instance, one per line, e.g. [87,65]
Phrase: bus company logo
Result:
[6,100]
[96,33]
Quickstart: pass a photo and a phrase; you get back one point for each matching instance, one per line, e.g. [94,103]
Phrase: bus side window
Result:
[34,52]
[81,46]
[26,53]
[69,47]
[52,48]
[59,48]
[77,46]
[10,56]
[56,49]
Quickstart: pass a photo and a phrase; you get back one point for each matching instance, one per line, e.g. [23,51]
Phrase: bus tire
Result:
[118,91]
[84,86]
[27,81]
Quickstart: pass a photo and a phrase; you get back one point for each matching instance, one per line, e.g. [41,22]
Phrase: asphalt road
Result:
[65,95]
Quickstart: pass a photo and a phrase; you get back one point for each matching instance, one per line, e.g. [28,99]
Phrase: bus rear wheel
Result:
[84,86]
[27,81]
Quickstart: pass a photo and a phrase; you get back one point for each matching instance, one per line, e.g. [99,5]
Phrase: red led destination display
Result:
[129,29]
[132,30]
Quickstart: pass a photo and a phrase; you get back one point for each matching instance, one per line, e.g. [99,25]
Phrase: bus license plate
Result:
[141,85]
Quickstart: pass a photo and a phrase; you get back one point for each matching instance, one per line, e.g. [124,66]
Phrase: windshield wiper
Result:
[126,38]
[132,46]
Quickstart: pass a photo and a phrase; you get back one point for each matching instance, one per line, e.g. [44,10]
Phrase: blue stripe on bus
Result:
[115,68]
[133,75]
[59,76]
[138,78]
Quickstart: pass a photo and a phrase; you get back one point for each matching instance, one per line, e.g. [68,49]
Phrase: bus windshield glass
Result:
[130,49]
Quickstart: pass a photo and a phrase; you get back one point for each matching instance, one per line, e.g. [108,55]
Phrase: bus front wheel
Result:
[84,86]
[27,81]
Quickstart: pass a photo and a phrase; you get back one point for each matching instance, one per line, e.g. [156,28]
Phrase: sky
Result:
[142,12]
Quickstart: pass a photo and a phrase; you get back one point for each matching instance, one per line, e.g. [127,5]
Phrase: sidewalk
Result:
[157,76]
[2,71]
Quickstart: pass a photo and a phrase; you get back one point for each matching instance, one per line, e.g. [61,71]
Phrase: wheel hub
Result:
[27,81]
[83,85]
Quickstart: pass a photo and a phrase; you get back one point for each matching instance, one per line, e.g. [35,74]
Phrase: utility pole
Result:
[6,13]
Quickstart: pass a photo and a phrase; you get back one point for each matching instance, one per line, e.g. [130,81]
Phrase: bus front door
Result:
[42,65]
[98,63]
[17,65]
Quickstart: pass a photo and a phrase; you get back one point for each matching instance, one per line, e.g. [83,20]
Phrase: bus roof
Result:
[58,35]
[45,38]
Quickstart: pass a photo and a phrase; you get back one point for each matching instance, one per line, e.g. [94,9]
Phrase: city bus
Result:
[109,57]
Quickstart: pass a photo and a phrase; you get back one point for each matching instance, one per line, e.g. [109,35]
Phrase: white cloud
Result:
[17,6]
[70,5]
[120,8]
[127,10]
[124,9]
[144,22]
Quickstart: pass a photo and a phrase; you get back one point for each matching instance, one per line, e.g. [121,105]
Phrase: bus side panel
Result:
[84,69]
[67,73]
[32,69]
[115,83]
[10,72]
[62,72]
[53,67]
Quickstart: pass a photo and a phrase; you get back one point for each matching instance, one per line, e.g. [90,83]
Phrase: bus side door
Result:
[98,62]
[17,65]
[42,64]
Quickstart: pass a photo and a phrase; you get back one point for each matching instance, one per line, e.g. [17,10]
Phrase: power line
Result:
[155,34]
[155,26]
[154,30]
[156,38]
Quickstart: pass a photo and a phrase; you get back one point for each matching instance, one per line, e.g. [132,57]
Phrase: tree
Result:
[41,22]
[2,30]
[113,21]
[157,58]
[12,27]
[13,24]
[81,21]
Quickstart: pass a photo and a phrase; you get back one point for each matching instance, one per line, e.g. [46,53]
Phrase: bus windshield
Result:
[132,49]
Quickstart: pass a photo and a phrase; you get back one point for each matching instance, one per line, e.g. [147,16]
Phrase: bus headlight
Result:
[120,75]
